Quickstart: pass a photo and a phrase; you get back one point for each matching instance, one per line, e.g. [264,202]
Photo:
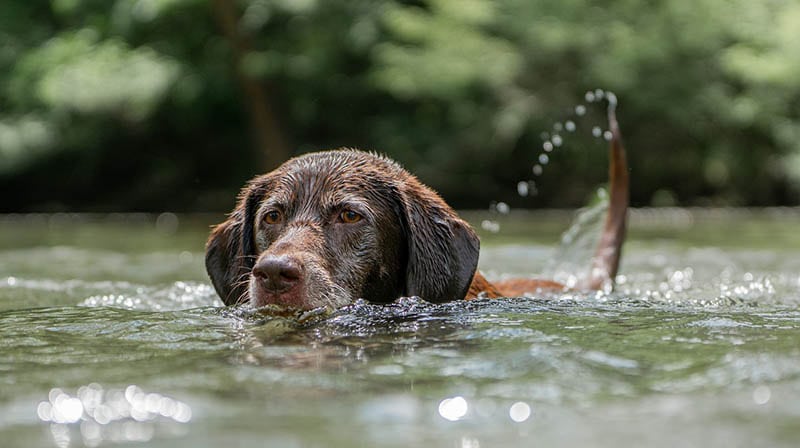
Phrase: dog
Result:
[327,228]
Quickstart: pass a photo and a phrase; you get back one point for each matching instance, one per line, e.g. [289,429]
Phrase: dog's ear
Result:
[230,250]
[442,248]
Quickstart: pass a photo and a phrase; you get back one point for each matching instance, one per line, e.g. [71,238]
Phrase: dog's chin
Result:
[300,297]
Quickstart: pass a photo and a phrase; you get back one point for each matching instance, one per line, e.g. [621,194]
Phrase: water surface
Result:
[110,333]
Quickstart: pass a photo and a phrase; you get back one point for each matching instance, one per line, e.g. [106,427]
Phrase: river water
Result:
[110,333]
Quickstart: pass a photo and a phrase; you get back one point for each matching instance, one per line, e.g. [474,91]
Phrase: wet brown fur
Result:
[409,242]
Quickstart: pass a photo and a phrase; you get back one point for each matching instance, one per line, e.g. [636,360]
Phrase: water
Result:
[111,334]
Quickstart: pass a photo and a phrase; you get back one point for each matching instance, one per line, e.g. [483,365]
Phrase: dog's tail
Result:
[605,261]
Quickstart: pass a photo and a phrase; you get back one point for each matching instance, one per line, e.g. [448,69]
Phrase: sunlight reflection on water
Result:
[454,408]
[180,295]
[115,415]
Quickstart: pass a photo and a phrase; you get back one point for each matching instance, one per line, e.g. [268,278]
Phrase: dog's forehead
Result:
[343,161]
[335,176]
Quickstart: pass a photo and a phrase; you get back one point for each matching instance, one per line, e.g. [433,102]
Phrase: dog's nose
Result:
[278,273]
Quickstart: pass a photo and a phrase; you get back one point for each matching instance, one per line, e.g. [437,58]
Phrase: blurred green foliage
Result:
[173,104]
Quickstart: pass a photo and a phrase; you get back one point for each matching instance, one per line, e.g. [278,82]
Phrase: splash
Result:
[552,140]
[557,136]
[601,226]
[577,244]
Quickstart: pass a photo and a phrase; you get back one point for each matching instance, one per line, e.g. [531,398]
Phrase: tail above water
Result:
[605,261]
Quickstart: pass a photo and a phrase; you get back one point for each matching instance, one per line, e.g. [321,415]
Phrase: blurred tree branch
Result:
[270,141]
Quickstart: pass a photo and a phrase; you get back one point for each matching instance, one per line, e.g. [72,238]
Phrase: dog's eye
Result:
[273,217]
[350,217]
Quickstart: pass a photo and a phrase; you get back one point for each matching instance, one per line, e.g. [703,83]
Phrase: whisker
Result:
[243,297]
[240,283]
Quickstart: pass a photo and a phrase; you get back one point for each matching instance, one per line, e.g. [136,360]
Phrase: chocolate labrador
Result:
[327,228]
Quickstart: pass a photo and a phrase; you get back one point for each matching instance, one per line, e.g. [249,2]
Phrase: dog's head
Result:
[327,228]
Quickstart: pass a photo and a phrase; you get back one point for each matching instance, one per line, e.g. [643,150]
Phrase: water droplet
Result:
[54,393]
[547,146]
[183,413]
[543,159]
[167,223]
[598,94]
[490,226]
[67,409]
[519,411]
[570,126]
[45,411]
[608,135]
[596,131]
[761,395]
[558,126]
[502,208]
[522,188]
[453,408]
[589,97]
[580,110]
[537,170]
[612,98]
[544,136]
[557,140]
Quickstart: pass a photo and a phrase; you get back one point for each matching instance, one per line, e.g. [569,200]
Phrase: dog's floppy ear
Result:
[230,250]
[442,248]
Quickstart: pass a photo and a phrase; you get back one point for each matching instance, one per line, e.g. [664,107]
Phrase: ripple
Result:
[121,294]
[719,322]
[178,296]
